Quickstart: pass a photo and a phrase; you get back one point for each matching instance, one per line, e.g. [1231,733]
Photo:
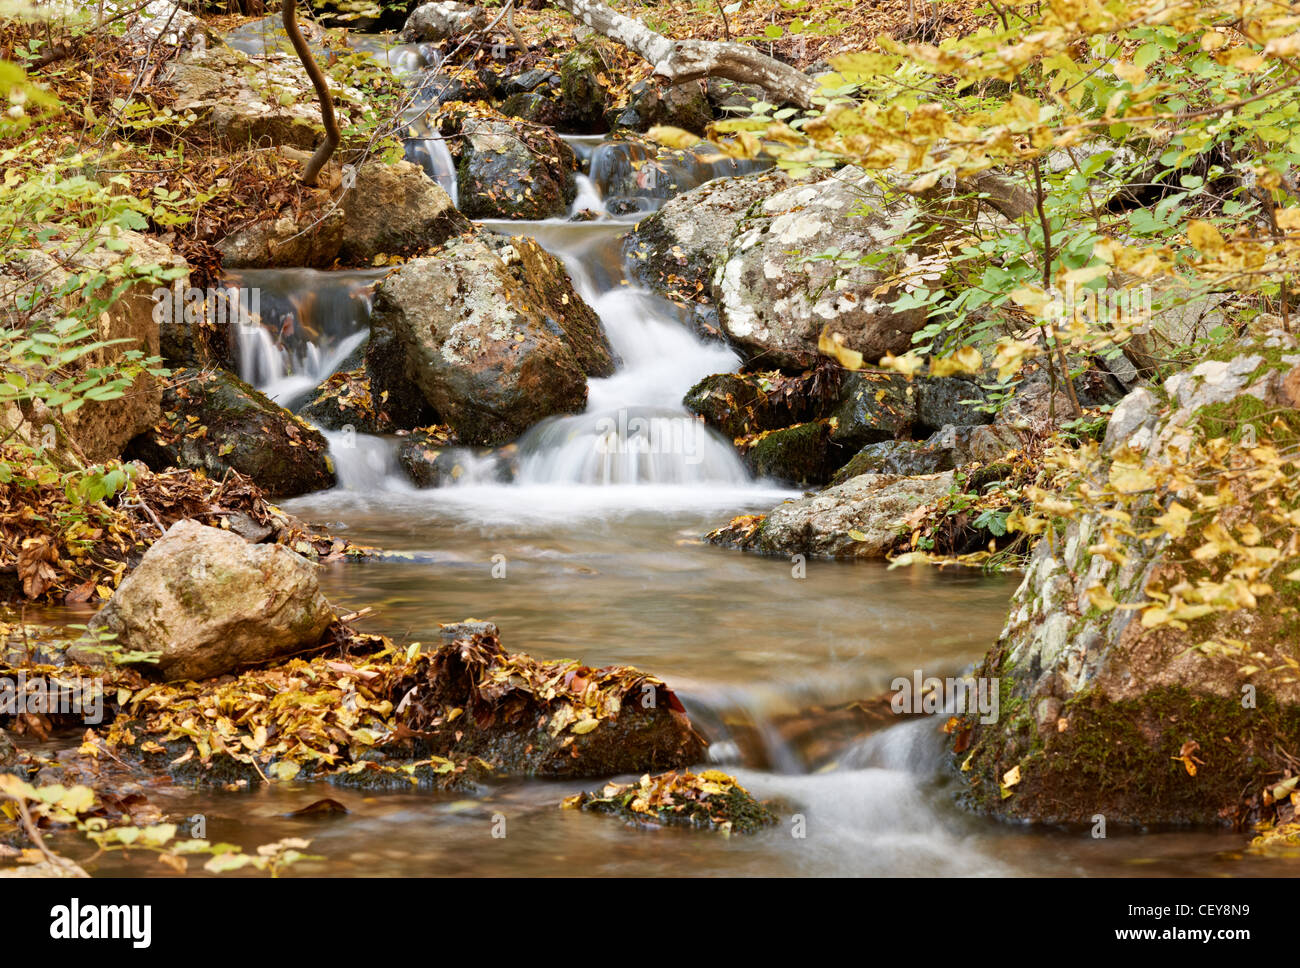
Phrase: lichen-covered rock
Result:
[711,800]
[1141,666]
[214,421]
[482,337]
[861,518]
[674,251]
[391,209]
[797,455]
[100,428]
[212,603]
[512,170]
[774,302]
[432,22]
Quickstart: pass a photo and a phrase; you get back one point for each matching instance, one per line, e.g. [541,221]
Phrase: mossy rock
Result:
[213,421]
[710,800]
[798,455]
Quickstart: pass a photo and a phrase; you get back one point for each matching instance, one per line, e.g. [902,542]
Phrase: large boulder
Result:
[212,603]
[674,251]
[861,518]
[214,421]
[432,22]
[480,328]
[512,170]
[100,429]
[244,101]
[875,407]
[746,404]
[1147,665]
[390,209]
[775,301]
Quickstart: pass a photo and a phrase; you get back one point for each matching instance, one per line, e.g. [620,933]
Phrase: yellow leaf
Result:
[1100,597]
[965,360]
[832,345]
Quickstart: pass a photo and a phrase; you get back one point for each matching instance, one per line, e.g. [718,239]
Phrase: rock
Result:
[161,22]
[392,209]
[682,106]
[732,97]
[634,174]
[897,457]
[432,22]
[265,101]
[773,305]
[745,404]
[385,373]
[797,455]
[212,604]
[1106,702]
[873,505]
[509,170]
[674,251]
[949,401]
[345,400]
[533,718]
[235,427]
[8,751]
[566,313]
[711,800]
[433,464]
[482,338]
[572,100]
[876,407]
[100,429]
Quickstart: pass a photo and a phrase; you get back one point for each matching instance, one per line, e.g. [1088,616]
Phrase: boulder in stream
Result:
[797,455]
[214,421]
[861,518]
[492,333]
[1147,669]
[212,603]
[709,800]
[775,300]
[432,22]
[513,170]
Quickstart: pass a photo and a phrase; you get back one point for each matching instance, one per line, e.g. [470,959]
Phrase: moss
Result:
[798,454]
[1231,419]
[1122,760]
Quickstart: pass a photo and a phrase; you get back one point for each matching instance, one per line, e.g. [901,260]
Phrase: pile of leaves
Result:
[710,799]
[59,544]
[370,714]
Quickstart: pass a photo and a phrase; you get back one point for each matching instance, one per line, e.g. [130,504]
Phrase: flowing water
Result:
[593,552]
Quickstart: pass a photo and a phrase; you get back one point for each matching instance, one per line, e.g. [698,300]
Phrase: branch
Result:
[679,61]
[331,142]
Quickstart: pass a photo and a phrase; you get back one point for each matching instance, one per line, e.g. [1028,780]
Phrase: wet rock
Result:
[897,457]
[212,604]
[345,400]
[774,304]
[733,98]
[509,170]
[533,718]
[871,506]
[431,22]
[482,339]
[797,455]
[1105,701]
[572,100]
[392,209]
[99,429]
[674,251]
[431,463]
[710,800]
[565,312]
[213,421]
[385,372]
[682,106]
[950,400]
[876,407]
[746,404]
[636,175]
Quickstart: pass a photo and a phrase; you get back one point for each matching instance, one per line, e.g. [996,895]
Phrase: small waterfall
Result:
[364,463]
[311,323]
[424,144]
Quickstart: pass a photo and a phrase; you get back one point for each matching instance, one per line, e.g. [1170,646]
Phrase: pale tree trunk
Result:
[678,61]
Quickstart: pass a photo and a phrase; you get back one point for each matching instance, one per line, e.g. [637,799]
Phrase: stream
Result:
[593,552]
